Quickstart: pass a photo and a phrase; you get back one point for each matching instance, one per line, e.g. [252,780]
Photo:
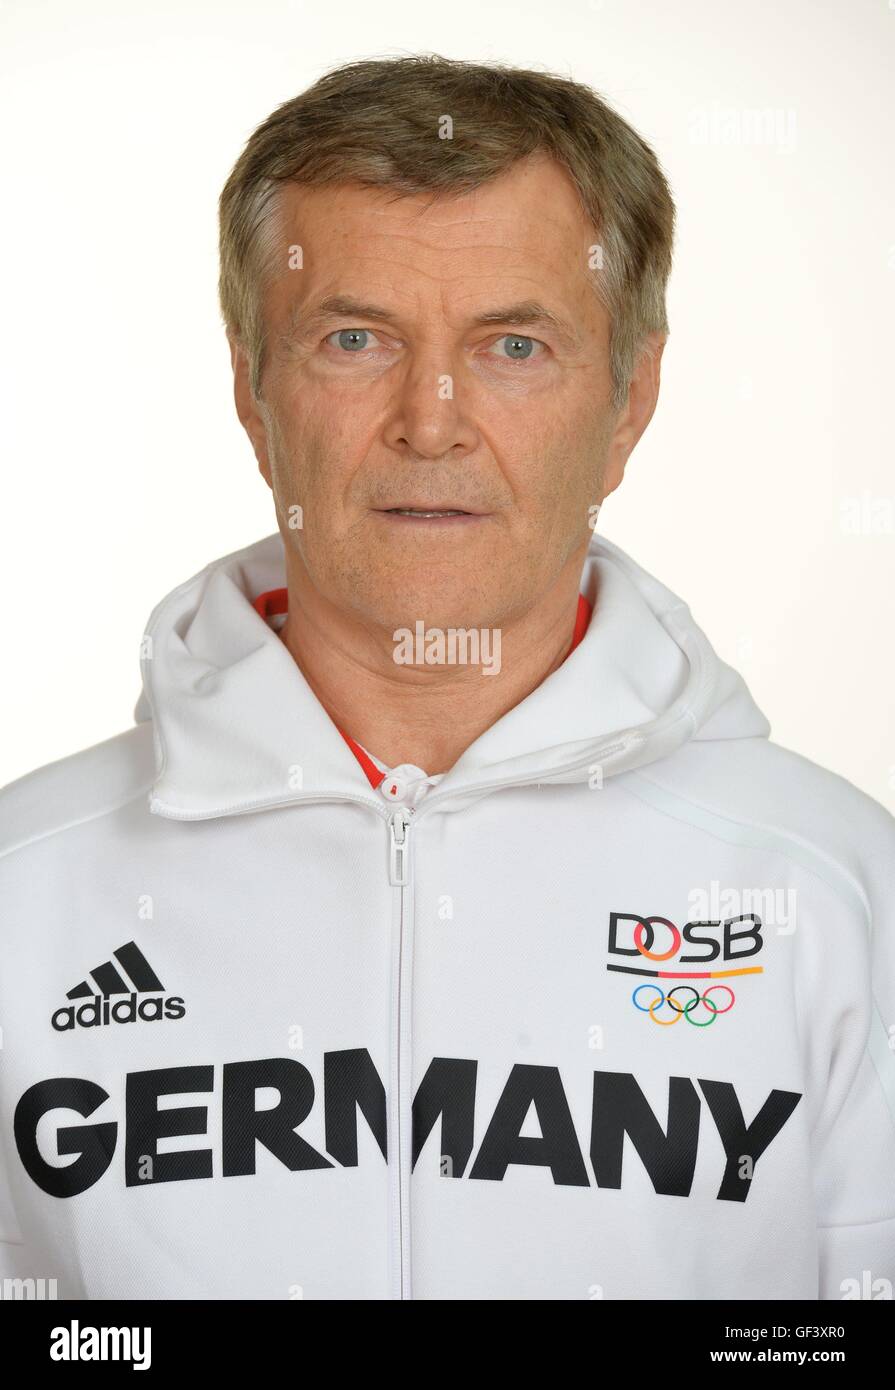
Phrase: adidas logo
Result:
[132,975]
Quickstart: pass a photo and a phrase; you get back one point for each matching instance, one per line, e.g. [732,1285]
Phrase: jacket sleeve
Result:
[13,1255]
[855,1164]
[25,1273]
[856,1234]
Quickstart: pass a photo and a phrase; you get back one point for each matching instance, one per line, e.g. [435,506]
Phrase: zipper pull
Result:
[397,864]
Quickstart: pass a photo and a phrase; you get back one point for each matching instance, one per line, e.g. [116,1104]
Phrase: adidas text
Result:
[98,1011]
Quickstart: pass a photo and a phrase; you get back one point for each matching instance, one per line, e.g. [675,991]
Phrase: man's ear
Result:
[247,407]
[637,412]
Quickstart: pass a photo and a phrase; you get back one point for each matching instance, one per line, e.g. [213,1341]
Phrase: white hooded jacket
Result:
[604,1011]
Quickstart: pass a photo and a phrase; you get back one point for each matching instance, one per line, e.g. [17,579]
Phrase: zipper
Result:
[402,1059]
[399,824]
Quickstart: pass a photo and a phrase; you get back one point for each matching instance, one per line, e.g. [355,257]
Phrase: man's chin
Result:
[437,596]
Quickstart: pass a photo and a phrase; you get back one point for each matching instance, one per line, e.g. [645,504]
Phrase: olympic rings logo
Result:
[686,1010]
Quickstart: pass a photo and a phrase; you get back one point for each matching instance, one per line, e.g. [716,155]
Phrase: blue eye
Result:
[518,347]
[353,339]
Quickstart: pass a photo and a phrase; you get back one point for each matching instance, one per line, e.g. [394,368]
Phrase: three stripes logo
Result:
[129,975]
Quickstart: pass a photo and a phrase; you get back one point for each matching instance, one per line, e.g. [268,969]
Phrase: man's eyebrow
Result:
[526,313]
[530,313]
[336,306]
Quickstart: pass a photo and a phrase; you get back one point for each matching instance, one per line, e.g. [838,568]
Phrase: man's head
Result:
[443,285]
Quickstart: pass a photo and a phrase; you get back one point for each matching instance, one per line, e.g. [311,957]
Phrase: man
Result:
[447,926]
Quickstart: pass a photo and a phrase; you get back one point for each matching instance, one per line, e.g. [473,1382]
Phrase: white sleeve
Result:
[855,1162]
[856,1184]
[26,1272]
[13,1254]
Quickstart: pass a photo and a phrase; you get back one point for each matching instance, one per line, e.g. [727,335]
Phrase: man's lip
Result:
[428,507]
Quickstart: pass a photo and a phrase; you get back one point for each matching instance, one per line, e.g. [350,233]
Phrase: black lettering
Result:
[95,1144]
[713,944]
[448,1090]
[146,1124]
[351,1082]
[621,1108]
[753,933]
[614,919]
[275,1129]
[742,1142]
[556,1149]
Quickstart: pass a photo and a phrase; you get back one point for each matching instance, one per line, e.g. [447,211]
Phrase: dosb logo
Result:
[656,944]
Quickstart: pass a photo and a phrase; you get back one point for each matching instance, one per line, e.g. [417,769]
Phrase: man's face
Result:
[402,397]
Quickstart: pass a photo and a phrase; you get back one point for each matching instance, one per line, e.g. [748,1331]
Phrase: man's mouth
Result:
[432,514]
[426,511]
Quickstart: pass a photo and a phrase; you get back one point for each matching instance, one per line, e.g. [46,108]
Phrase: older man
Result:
[447,926]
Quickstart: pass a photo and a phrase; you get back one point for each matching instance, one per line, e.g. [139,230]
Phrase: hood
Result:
[236,727]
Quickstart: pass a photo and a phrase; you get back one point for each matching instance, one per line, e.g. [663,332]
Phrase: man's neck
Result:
[428,715]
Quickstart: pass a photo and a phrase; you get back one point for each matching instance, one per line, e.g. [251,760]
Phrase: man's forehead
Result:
[498,257]
[534,198]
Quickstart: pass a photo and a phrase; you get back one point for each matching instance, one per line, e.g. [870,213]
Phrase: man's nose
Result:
[430,408]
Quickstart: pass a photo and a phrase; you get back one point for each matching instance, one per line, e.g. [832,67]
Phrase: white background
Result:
[125,469]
